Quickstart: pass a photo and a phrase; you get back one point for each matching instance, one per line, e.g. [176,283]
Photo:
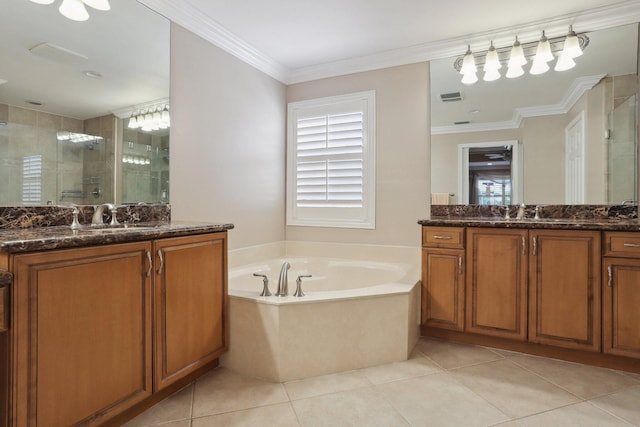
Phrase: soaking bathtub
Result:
[357,312]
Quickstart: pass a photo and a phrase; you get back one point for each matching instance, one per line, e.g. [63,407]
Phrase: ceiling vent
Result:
[451,96]
[57,53]
[464,122]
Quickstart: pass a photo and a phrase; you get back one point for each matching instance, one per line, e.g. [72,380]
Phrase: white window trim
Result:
[297,216]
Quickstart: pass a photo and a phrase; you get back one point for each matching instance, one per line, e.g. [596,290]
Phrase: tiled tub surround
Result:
[360,309]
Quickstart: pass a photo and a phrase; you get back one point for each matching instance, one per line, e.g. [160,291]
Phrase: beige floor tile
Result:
[416,366]
[361,407]
[582,380]
[325,384]
[624,404]
[439,400]
[512,389]
[174,408]
[632,375]
[581,414]
[280,415]
[454,355]
[504,353]
[224,391]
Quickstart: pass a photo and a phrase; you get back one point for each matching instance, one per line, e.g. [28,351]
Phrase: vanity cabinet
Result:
[496,287]
[564,288]
[99,330]
[621,294]
[81,334]
[443,275]
[190,291]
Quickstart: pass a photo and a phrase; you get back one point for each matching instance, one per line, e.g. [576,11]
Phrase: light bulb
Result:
[543,52]
[564,63]
[468,63]
[469,78]
[572,45]
[74,10]
[98,4]
[491,75]
[492,62]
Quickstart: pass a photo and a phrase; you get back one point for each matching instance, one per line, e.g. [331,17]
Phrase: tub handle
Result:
[265,285]
[298,292]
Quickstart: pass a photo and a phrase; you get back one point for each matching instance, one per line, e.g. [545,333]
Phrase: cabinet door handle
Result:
[442,237]
[524,245]
[632,245]
[150,264]
[535,246]
[460,265]
[610,272]
[159,271]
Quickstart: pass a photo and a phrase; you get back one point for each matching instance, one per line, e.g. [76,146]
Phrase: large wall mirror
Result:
[67,92]
[576,130]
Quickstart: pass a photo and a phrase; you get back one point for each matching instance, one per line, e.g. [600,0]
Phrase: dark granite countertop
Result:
[6,278]
[599,224]
[58,237]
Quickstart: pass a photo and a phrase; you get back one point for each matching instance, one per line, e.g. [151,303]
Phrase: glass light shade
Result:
[468,63]
[42,1]
[165,116]
[514,71]
[517,58]
[543,52]
[572,45]
[539,67]
[564,63]
[469,78]
[133,123]
[491,75]
[98,4]
[492,62]
[157,117]
[74,10]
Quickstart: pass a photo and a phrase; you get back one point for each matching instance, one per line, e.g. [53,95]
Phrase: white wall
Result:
[402,153]
[227,142]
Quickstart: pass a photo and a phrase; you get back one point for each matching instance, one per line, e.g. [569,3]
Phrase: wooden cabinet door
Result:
[564,298]
[621,303]
[496,302]
[443,288]
[191,304]
[81,331]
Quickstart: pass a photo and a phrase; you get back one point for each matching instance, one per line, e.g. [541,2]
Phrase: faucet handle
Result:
[506,212]
[265,285]
[114,210]
[298,292]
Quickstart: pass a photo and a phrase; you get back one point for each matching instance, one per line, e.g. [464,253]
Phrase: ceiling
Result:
[290,40]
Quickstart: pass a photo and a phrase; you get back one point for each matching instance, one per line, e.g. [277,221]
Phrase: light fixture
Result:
[150,119]
[540,53]
[75,9]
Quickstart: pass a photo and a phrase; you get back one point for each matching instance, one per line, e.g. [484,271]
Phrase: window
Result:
[32,180]
[331,162]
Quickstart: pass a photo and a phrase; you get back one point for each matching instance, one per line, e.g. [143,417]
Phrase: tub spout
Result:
[283,281]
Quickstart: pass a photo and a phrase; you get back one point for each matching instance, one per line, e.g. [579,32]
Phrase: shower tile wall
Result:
[65,165]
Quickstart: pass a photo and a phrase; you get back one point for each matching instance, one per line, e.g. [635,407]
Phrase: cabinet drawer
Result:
[622,244]
[4,308]
[443,237]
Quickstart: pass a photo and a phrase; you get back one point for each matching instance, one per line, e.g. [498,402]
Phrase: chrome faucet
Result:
[298,292]
[283,281]
[265,285]
[97,214]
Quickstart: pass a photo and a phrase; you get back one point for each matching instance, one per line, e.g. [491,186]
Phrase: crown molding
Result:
[126,112]
[193,19]
[573,94]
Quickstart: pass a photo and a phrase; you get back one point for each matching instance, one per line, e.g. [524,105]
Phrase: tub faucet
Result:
[283,281]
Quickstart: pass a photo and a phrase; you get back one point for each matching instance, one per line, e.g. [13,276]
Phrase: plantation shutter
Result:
[32,180]
[331,161]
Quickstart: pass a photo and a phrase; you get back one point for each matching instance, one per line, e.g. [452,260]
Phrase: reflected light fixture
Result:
[75,9]
[154,118]
[540,53]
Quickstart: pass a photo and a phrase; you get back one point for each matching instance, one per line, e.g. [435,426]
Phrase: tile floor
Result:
[443,384]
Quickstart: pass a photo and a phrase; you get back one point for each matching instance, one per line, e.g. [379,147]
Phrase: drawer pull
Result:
[442,237]
[535,246]
[632,245]
[460,265]
[161,261]
[150,264]
[524,245]
[610,272]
